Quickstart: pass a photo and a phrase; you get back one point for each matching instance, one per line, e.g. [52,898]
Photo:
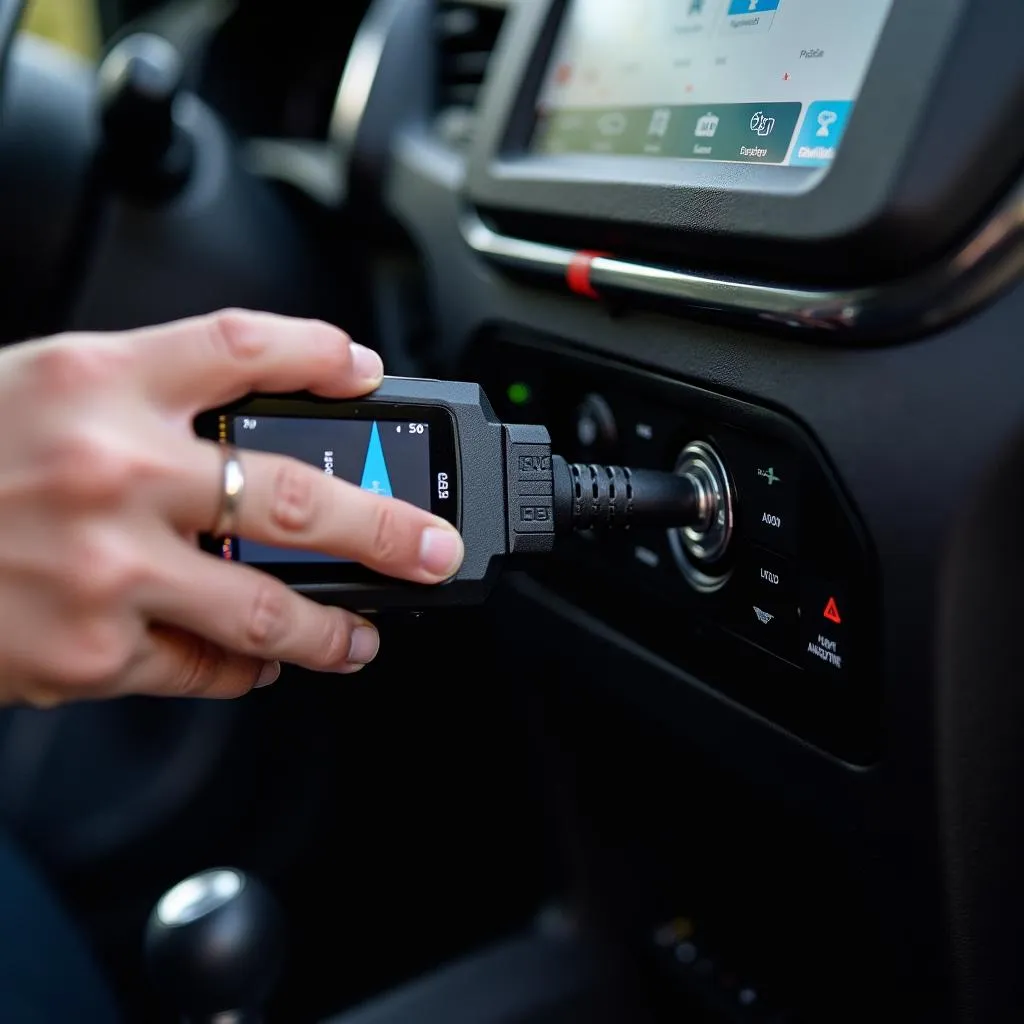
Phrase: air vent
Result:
[466,36]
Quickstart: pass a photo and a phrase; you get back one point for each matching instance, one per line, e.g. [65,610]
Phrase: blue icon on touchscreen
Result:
[375,469]
[752,6]
[821,132]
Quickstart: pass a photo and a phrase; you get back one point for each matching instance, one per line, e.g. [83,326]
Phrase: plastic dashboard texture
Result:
[909,429]
[932,139]
[912,430]
[792,519]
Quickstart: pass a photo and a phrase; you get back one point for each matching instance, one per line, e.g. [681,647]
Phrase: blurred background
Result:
[71,23]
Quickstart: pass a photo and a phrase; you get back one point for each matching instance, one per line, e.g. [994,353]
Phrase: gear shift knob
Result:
[139,83]
[215,947]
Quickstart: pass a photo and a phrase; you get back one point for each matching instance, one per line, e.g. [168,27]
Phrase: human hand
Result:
[104,488]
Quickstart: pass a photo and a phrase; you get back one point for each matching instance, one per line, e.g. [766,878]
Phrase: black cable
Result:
[588,496]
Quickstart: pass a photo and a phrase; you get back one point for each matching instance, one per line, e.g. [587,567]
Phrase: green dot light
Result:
[519,393]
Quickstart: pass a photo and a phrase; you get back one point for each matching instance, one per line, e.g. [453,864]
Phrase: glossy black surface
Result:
[882,207]
[762,636]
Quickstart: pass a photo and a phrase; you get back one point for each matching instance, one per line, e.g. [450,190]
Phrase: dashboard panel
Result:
[852,326]
[785,620]
[896,195]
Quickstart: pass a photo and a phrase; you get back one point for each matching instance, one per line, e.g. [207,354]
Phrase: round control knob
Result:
[698,548]
[595,424]
[138,84]
[215,945]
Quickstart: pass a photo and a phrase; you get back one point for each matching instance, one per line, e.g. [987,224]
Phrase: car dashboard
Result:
[782,240]
[791,236]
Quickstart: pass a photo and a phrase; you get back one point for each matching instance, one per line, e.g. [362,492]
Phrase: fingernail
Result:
[366,363]
[365,645]
[441,551]
[268,674]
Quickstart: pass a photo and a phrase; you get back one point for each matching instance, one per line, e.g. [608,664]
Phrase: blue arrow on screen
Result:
[375,469]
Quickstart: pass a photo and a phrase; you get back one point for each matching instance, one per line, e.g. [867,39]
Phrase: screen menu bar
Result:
[732,132]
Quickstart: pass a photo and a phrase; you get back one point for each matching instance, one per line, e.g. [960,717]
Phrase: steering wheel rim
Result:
[11,14]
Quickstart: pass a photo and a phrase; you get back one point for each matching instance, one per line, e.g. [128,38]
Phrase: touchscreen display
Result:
[744,81]
[386,457]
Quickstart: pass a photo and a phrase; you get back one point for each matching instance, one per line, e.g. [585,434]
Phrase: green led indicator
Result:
[518,393]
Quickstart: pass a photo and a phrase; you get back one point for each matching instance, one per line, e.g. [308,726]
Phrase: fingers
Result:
[287,503]
[240,609]
[100,659]
[200,363]
[173,663]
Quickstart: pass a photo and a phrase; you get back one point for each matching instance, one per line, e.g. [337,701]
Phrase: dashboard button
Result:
[771,578]
[765,610]
[596,430]
[650,552]
[768,485]
[648,433]
[828,621]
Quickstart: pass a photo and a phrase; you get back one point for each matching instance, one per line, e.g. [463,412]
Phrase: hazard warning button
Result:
[826,629]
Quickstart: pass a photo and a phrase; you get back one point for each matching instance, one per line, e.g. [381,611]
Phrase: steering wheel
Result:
[72,239]
[11,13]
[47,133]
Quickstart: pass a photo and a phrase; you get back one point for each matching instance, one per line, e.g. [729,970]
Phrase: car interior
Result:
[765,775]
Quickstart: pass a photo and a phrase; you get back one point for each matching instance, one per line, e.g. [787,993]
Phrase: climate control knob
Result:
[699,549]
[595,425]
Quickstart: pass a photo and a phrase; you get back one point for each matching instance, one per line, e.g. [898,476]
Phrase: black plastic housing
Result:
[473,456]
[800,528]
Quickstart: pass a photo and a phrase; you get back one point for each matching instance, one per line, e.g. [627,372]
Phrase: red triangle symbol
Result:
[832,611]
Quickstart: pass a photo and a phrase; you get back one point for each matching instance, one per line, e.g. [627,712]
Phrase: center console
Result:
[777,243]
[776,604]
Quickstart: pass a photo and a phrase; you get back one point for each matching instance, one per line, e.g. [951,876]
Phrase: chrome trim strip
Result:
[314,168]
[363,64]
[990,261]
[515,253]
[360,72]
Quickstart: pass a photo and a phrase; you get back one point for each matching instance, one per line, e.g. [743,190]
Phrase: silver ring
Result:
[232,486]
